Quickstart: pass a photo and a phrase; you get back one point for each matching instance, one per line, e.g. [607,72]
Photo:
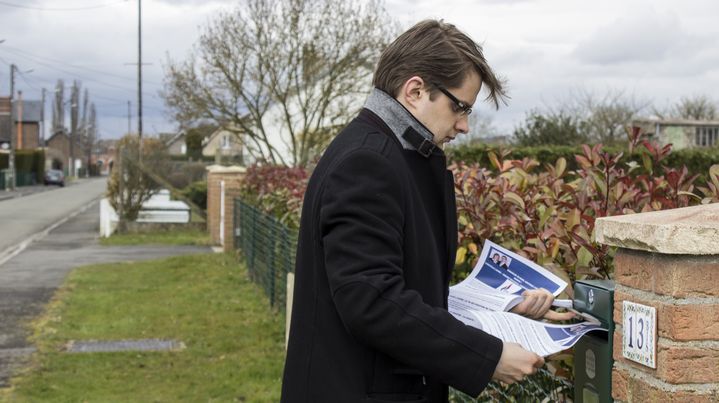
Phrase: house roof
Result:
[31,111]
[58,133]
[174,139]
[220,130]
[676,122]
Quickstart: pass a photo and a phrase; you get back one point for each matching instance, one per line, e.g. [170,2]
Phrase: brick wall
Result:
[232,177]
[668,260]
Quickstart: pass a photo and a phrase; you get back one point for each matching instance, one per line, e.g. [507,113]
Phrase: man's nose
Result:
[462,125]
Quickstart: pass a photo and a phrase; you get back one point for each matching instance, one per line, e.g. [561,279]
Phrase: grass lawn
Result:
[235,344]
[186,236]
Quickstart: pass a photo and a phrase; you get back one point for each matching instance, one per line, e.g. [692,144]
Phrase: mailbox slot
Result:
[593,353]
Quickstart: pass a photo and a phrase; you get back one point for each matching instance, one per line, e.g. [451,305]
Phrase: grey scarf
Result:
[395,115]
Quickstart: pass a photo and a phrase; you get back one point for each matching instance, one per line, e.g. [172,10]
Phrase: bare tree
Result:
[58,108]
[605,116]
[90,133]
[278,73]
[129,189]
[74,123]
[699,107]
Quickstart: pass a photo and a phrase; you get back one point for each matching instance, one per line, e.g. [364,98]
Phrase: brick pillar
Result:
[668,260]
[232,178]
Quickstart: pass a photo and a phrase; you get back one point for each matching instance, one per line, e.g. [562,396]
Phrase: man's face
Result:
[441,116]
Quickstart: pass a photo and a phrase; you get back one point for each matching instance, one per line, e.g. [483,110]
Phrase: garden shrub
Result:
[197,193]
[276,190]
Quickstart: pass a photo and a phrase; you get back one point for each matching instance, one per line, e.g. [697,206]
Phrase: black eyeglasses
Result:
[459,107]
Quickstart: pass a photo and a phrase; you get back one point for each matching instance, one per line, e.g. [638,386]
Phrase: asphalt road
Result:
[29,279]
[25,216]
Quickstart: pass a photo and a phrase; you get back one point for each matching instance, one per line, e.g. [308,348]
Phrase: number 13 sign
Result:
[639,341]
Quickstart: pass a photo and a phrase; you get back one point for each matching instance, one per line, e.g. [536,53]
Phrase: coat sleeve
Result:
[361,226]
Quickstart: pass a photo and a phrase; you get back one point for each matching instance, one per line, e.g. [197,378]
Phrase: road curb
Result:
[14,250]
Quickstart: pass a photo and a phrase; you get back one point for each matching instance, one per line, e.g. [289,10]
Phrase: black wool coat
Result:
[376,246]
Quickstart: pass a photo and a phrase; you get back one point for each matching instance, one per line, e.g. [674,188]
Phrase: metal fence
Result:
[21,179]
[25,179]
[268,248]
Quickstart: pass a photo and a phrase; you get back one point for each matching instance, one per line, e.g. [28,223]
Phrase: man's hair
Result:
[440,54]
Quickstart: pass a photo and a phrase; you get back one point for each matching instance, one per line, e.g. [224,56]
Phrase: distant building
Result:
[27,121]
[222,144]
[177,145]
[5,122]
[681,133]
[24,117]
[104,155]
[57,152]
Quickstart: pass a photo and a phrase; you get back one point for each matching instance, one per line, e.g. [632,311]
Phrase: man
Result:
[503,263]
[378,238]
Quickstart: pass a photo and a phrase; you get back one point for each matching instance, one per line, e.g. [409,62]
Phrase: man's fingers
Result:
[559,316]
[549,298]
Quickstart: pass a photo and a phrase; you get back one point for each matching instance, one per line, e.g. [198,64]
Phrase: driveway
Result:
[29,279]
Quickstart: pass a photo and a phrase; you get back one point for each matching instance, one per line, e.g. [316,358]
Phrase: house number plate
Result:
[639,338]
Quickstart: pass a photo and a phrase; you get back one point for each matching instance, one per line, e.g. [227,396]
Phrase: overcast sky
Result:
[657,51]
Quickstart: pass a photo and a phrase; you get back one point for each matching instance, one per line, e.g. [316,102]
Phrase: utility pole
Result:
[19,120]
[11,156]
[42,121]
[139,78]
[129,118]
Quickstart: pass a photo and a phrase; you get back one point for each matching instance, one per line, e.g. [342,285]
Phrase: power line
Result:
[26,82]
[74,74]
[21,52]
[4,3]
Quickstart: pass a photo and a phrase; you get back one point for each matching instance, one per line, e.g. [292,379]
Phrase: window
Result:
[226,141]
[706,136]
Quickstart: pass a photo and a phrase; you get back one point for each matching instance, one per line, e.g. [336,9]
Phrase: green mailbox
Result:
[593,352]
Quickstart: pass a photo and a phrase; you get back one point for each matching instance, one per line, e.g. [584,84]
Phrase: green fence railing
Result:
[26,179]
[267,247]
[22,179]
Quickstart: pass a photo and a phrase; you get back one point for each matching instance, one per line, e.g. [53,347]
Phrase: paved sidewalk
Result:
[28,281]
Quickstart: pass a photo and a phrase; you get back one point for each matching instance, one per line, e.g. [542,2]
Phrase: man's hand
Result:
[536,305]
[516,363]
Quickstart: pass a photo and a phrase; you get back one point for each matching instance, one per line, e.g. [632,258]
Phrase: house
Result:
[27,120]
[5,123]
[222,144]
[681,133]
[104,155]
[57,152]
[23,117]
[177,144]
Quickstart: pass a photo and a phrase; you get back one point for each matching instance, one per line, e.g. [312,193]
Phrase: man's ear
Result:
[412,92]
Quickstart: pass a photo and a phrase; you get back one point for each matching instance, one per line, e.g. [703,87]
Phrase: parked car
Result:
[54,177]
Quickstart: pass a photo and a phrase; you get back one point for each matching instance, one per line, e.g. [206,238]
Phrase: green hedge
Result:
[197,192]
[26,161]
[697,160]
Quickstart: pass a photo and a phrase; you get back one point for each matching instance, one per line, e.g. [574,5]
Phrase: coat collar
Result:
[411,134]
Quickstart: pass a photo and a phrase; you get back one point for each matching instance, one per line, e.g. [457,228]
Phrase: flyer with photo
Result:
[495,286]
